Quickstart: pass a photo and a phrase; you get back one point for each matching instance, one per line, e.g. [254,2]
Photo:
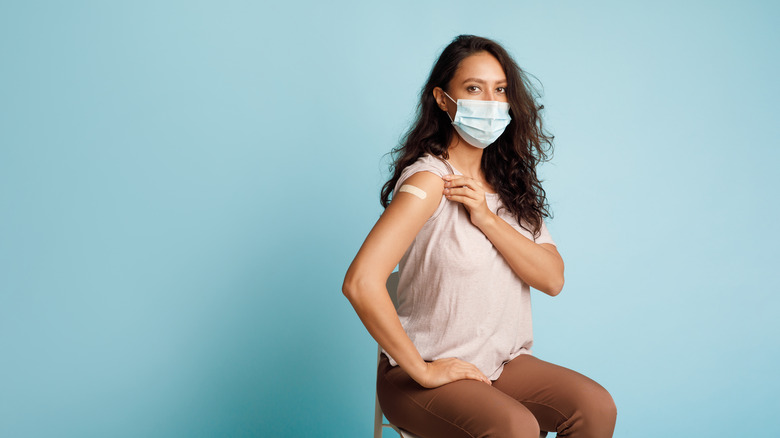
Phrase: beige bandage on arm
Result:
[408,188]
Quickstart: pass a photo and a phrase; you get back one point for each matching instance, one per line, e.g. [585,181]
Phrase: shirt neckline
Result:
[458,172]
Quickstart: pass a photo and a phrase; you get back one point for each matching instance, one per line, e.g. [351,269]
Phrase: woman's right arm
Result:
[364,284]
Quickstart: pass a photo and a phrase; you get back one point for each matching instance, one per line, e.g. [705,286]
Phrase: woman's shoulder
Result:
[424,174]
[426,163]
[429,163]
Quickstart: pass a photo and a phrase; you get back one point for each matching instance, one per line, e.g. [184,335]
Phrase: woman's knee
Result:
[520,423]
[599,411]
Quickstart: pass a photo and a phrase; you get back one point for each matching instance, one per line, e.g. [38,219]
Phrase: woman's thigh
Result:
[465,408]
[560,399]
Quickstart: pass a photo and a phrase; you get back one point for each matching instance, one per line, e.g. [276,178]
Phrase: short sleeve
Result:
[426,163]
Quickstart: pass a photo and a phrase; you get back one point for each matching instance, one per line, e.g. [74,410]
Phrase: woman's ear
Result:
[441,99]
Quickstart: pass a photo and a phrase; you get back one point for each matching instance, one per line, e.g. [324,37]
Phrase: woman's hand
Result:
[443,371]
[471,194]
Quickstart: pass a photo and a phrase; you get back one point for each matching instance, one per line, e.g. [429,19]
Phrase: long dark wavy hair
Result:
[509,164]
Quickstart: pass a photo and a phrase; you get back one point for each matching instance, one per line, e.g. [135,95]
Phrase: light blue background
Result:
[183,185]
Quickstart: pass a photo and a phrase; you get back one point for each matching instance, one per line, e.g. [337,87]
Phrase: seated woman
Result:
[464,216]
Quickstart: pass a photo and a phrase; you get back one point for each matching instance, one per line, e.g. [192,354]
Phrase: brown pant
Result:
[529,396]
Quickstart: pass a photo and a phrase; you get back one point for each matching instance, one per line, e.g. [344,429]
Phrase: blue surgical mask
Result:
[480,122]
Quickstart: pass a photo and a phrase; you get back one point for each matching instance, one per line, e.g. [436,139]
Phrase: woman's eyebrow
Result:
[481,81]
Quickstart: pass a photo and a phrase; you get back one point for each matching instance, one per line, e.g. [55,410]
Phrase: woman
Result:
[466,222]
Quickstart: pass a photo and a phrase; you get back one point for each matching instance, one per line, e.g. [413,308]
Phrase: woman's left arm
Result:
[539,265]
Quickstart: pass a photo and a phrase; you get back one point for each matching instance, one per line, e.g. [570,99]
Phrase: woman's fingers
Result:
[460,188]
[471,194]
[460,180]
[480,377]
[464,184]
[477,375]
[463,191]
[462,199]
[443,371]
[467,197]
[472,372]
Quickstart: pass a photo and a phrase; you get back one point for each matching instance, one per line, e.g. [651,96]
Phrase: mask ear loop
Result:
[453,101]
[447,163]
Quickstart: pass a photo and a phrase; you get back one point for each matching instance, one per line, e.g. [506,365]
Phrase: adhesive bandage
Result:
[413,190]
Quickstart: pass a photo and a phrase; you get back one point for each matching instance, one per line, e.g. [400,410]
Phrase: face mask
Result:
[480,122]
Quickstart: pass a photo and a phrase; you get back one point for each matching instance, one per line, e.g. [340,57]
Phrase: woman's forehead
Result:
[481,67]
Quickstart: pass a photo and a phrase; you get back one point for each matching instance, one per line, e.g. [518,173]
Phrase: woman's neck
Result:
[466,158]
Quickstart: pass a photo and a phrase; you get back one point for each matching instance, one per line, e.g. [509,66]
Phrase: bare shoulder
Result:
[429,182]
[419,194]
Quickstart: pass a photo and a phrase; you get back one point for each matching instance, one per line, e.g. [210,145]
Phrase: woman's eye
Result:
[501,90]
[472,89]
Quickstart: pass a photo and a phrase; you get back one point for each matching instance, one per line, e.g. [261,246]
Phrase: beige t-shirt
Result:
[457,296]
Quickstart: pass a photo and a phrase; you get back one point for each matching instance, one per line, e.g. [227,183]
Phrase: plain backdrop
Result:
[183,185]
